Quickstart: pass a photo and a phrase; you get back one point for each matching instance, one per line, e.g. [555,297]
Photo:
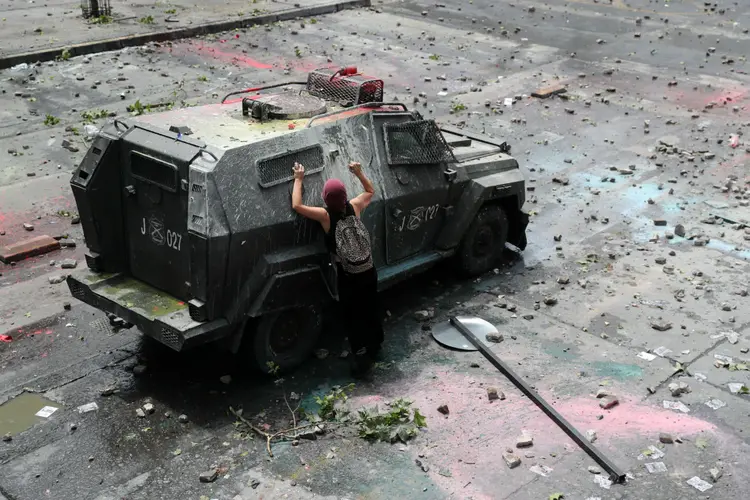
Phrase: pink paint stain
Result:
[218,54]
[470,441]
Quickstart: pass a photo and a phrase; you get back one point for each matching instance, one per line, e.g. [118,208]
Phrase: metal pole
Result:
[615,474]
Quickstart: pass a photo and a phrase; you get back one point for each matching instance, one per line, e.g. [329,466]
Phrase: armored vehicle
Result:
[189,227]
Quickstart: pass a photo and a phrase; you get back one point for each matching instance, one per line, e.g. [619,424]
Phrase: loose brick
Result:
[549,91]
[28,248]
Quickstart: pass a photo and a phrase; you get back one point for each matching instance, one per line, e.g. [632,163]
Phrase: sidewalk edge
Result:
[86,48]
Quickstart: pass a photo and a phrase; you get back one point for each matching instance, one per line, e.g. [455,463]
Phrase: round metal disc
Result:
[447,335]
[292,106]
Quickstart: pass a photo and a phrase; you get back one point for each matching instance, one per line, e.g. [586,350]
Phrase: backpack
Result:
[353,244]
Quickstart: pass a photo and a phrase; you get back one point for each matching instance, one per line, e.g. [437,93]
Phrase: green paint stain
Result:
[562,351]
[134,294]
[617,370]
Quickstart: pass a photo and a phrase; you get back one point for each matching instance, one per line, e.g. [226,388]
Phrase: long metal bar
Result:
[615,474]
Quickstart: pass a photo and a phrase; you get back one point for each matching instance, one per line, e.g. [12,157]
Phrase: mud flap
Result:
[517,224]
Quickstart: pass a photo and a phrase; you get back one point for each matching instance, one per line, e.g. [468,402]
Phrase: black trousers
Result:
[360,308]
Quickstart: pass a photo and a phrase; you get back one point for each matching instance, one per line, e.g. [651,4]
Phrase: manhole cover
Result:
[289,106]
[447,335]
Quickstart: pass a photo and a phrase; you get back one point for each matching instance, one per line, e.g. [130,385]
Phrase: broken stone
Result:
[678,388]
[511,460]
[602,393]
[423,315]
[7,437]
[148,408]
[608,402]
[183,419]
[594,469]
[54,280]
[108,391]
[140,413]
[443,409]
[28,227]
[139,369]
[661,326]
[225,379]
[591,435]
[209,476]
[550,301]
[493,394]
[666,438]
[715,474]
[668,269]
[660,222]
[494,337]
[661,260]
[524,441]
[69,264]
[321,353]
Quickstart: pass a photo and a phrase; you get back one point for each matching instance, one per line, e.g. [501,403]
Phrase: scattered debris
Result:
[716,474]
[699,484]
[591,435]
[656,467]
[209,476]
[493,394]
[88,407]
[678,388]
[148,408]
[608,402]
[665,438]
[594,469]
[511,460]
[443,409]
[494,337]
[676,405]
[183,419]
[225,379]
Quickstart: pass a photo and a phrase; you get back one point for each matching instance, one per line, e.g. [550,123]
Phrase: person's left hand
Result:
[299,171]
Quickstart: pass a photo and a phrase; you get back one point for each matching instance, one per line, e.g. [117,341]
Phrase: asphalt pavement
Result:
[635,277]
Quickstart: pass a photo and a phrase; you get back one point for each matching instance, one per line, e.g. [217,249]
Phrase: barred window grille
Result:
[278,169]
[349,90]
[416,143]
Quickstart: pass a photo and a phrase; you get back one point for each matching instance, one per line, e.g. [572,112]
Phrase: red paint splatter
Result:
[6,338]
[221,55]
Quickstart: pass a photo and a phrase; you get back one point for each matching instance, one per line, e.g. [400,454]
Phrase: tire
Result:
[286,338]
[484,241]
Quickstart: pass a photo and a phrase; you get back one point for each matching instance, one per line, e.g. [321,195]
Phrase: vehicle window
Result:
[278,169]
[154,171]
[415,143]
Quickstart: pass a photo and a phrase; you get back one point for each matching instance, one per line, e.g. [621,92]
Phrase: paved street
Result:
[638,187]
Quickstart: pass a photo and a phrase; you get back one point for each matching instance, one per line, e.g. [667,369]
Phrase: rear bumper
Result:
[154,312]
[517,229]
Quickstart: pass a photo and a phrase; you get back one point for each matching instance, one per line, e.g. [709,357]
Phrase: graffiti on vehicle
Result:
[416,217]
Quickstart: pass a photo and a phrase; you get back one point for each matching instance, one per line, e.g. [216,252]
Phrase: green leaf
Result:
[701,443]
[419,419]
[177,452]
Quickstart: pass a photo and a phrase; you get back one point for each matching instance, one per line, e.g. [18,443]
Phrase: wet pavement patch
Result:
[24,411]
[617,370]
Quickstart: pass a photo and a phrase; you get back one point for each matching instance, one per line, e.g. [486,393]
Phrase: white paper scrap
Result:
[676,405]
[654,453]
[508,101]
[715,404]
[647,356]
[88,407]
[699,377]
[656,467]
[542,470]
[699,484]
[662,351]
[46,411]
[735,387]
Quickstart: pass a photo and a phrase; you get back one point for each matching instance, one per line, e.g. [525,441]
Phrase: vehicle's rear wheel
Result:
[284,339]
[484,241]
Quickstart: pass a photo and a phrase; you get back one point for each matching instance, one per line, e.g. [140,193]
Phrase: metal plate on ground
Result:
[448,336]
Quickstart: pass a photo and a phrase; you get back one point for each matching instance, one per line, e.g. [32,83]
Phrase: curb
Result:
[86,48]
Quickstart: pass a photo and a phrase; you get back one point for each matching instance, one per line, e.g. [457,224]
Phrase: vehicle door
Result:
[416,188]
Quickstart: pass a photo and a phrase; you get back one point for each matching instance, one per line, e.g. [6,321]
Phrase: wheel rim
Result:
[483,242]
[287,328]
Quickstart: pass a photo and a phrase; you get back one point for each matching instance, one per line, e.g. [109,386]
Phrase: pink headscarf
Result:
[334,195]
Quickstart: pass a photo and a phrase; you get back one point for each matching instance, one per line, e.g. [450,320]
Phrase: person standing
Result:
[349,242]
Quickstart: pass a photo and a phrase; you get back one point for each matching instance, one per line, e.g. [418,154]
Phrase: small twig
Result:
[258,431]
[293,412]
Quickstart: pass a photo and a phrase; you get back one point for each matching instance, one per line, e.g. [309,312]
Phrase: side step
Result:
[390,275]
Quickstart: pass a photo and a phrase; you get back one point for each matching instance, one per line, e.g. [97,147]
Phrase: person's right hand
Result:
[355,168]
[299,171]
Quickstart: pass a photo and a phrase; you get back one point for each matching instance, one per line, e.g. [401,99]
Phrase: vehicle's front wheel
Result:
[484,241]
[284,339]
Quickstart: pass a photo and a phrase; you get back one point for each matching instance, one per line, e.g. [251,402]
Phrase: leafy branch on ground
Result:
[102,20]
[457,107]
[137,108]
[397,422]
[94,114]
[146,20]
[51,121]
[64,55]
